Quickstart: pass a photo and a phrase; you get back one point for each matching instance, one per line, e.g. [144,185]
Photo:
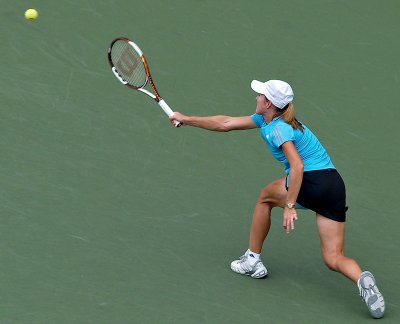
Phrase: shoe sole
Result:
[375,311]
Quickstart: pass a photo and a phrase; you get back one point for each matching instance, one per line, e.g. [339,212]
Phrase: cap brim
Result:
[258,86]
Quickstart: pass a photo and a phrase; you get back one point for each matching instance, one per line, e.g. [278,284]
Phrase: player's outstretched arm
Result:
[215,123]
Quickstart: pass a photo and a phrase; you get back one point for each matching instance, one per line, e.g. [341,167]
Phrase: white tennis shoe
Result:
[371,295]
[246,267]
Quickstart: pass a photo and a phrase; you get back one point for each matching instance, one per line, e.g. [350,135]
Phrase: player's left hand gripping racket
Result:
[130,67]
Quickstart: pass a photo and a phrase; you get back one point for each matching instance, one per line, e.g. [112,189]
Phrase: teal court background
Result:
[110,215]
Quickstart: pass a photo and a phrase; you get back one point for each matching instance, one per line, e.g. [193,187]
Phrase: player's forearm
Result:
[295,178]
[212,123]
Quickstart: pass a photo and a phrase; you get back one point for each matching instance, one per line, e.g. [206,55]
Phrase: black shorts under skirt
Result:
[324,192]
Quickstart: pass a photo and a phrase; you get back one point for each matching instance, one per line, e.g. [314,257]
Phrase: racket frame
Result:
[155,95]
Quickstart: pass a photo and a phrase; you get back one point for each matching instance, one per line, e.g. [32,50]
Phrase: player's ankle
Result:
[252,256]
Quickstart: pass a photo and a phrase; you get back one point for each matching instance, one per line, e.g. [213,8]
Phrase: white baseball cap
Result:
[279,92]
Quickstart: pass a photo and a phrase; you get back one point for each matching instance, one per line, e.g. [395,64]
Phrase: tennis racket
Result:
[129,65]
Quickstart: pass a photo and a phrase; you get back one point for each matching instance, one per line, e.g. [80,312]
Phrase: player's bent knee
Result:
[272,195]
[331,262]
[331,266]
[264,195]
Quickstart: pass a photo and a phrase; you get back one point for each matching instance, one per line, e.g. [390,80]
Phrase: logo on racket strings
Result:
[127,63]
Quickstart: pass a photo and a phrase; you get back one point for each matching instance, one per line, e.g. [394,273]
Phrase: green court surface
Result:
[110,215]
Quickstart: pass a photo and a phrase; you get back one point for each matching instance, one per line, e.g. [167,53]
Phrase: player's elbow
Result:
[298,166]
[221,126]
[224,128]
[226,125]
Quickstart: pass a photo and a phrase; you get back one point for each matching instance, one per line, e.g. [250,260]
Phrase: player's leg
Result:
[271,196]
[331,235]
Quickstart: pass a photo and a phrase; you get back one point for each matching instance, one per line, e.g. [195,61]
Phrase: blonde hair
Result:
[287,115]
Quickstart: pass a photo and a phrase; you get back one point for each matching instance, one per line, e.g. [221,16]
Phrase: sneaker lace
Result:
[245,263]
[243,259]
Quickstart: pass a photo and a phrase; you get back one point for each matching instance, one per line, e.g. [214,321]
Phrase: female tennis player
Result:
[311,181]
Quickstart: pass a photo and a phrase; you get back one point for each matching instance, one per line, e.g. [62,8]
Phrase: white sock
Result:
[253,257]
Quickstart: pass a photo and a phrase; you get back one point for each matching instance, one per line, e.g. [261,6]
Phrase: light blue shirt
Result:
[277,132]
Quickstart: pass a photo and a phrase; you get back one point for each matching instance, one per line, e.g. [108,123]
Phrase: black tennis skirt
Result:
[324,192]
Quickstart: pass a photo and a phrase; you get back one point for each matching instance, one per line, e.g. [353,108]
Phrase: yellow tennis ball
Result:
[31,14]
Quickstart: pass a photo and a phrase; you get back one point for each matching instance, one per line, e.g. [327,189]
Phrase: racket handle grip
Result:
[168,111]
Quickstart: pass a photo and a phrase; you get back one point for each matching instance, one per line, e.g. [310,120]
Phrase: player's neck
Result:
[268,116]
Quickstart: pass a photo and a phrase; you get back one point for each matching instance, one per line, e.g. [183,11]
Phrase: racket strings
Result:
[128,64]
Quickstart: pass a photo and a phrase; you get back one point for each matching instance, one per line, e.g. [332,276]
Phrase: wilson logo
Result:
[127,63]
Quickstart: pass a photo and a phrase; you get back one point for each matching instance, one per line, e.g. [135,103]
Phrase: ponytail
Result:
[287,115]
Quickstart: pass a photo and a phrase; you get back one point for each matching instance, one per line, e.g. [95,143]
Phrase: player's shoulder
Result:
[281,124]
[258,120]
